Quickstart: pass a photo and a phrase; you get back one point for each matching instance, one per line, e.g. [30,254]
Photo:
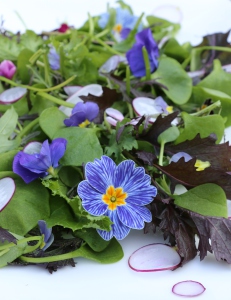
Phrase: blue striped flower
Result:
[119,192]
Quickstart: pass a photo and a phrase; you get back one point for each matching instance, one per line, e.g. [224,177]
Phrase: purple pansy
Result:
[54,59]
[48,237]
[119,192]
[135,54]
[82,114]
[30,166]
[7,69]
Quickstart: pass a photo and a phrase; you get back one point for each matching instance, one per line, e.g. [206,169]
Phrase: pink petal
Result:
[188,288]
[7,189]
[154,257]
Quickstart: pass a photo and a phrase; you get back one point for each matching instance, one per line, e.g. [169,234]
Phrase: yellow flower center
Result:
[201,165]
[51,171]
[169,109]
[84,124]
[118,28]
[114,197]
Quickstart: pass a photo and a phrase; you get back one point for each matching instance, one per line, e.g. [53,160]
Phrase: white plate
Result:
[90,280]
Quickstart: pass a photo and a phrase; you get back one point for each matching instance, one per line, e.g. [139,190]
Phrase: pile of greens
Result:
[117,59]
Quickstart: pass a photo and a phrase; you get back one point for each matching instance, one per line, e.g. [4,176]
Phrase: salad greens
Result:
[111,127]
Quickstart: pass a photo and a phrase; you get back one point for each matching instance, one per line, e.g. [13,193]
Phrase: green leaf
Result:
[51,120]
[6,160]
[7,145]
[8,122]
[173,76]
[10,254]
[31,41]
[207,199]
[22,62]
[205,126]
[29,204]
[173,49]
[82,145]
[169,135]
[111,254]
[9,48]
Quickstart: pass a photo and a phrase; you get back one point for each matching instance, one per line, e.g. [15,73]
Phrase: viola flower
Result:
[63,28]
[7,69]
[32,165]
[135,54]
[199,164]
[151,108]
[119,192]
[48,237]
[82,114]
[124,23]
[54,59]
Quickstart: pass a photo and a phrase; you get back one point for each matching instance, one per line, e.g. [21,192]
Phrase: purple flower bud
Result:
[7,69]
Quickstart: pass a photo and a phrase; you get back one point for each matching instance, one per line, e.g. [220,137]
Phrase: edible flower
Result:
[113,116]
[135,54]
[63,28]
[54,59]
[82,114]
[112,63]
[199,164]
[33,165]
[124,23]
[119,192]
[7,69]
[48,237]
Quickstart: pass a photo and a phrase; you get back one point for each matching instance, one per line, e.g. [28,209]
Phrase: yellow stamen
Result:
[84,124]
[51,171]
[118,28]
[201,165]
[114,197]
[169,109]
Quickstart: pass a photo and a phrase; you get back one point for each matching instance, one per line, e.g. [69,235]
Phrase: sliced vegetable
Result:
[12,95]
[188,288]
[7,189]
[154,257]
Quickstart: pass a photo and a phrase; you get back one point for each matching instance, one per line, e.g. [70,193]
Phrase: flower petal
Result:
[75,119]
[136,60]
[100,173]
[24,173]
[92,110]
[91,199]
[57,150]
[132,215]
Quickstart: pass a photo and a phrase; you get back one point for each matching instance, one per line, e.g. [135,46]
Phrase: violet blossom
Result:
[32,165]
[54,59]
[82,114]
[48,237]
[7,69]
[135,54]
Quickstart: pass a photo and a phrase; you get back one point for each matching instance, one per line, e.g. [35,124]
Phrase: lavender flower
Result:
[82,114]
[119,192]
[39,164]
[48,237]
[54,59]
[7,69]
[135,54]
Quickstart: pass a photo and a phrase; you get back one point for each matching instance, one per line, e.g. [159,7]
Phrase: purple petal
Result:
[45,151]
[24,173]
[57,150]
[91,199]
[75,119]
[44,230]
[136,60]
[100,173]
[131,216]
[36,163]
[7,69]
[92,110]
[179,155]
[125,33]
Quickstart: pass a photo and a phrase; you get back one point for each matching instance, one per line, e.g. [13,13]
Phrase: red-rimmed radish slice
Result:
[188,288]
[7,189]
[93,89]
[154,257]
[168,12]
[72,89]
[12,95]
[146,106]
[32,147]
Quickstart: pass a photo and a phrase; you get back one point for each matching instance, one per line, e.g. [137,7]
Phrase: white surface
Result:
[90,280]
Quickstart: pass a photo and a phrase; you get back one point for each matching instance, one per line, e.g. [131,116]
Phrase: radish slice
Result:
[168,12]
[93,89]
[71,89]
[146,106]
[32,147]
[112,63]
[12,95]
[154,257]
[7,189]
[188,288]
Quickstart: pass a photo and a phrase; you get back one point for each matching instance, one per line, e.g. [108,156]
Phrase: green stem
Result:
[46,70]
[22,241]
[161,155]
[102,33]
[27,128]
[130,110]
[37,89]
[41,260]
[91,25]
[146,63]
[55,100]
[128,82]
[110,49]
[207,109]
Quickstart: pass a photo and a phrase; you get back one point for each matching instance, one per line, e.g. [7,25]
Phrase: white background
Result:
[90,280]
